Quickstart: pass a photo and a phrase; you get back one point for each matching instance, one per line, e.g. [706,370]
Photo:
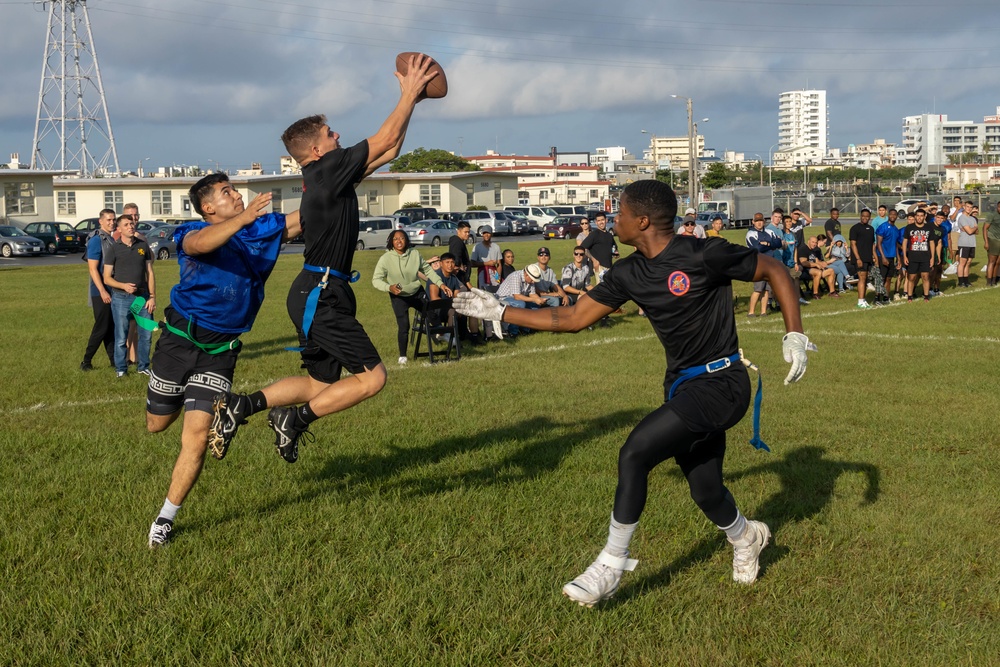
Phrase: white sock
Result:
[735,530]
[619,536]
[860,301]
[169,510]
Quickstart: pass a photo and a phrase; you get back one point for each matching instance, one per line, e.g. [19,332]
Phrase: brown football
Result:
[436,87]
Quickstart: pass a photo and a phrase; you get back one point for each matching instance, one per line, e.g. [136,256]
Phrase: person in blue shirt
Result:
[764,242]
[224,263]
[99,243]
[887,237]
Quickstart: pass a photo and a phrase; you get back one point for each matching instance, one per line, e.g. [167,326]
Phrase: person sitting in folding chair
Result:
[397,273]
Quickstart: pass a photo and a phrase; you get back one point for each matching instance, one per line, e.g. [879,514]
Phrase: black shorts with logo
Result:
[183,375]
[967,253]
[916,267]
[336,338]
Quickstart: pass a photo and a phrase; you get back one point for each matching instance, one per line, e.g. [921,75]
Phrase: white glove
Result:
[794,345]
[479,304]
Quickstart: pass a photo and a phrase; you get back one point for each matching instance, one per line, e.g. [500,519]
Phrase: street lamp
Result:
[760,161]
[139,171]
[652,152]
[770,167]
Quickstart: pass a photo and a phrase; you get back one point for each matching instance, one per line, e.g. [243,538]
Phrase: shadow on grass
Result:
[544,445]
[807,484]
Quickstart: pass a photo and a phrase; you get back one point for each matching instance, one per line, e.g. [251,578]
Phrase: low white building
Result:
[28,195]
[379,194]
[957,176]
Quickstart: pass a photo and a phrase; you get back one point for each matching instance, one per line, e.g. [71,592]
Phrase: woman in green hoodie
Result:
[398,273]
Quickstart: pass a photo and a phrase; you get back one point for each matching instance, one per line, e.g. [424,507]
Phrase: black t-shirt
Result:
[329,208]
[864,235]
[918,240]
[601,246]
[808,254]
[129,264]
[687,293]
[457,247]
[832,227]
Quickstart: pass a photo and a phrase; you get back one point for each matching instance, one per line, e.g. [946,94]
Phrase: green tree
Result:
[435,159]
[716,176]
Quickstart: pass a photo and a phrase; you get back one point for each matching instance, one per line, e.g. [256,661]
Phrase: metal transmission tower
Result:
[72,124]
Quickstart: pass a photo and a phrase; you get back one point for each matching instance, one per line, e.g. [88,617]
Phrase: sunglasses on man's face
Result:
[689,224]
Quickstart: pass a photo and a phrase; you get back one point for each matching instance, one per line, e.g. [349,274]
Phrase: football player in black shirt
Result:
[684,284]
[321,302]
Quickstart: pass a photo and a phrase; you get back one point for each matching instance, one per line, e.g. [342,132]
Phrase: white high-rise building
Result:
[802,122]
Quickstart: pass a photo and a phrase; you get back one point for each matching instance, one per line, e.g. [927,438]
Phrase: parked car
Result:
[528,225]
[161,241]
[565,227]
[13,242]
[905,205]
[373,232]
[145,226]
[85,227]
[400,221]
[418,214]
[177,221]
[431,232]
[705,218]
[501,223]
[55,235]
[543,214]
[569,210]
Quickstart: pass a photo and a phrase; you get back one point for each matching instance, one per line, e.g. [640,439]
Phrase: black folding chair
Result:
[430,324]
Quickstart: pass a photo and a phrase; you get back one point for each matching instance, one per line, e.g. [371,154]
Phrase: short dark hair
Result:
[203,188]
[834,208]
[653,199]
[298,135]
[778,209]
[388,240]
[107,211]
[447,255]
[464,224]
[122,218]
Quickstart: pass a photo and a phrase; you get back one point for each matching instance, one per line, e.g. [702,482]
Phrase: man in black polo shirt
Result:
[128,271]
[601,245]
[863,253]
[321,302]
[684,284]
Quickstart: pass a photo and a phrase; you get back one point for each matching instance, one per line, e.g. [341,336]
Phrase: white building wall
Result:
[802,120]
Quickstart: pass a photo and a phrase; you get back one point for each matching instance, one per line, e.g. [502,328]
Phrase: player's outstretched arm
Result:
[385,144]
[483,305]
[293,226]
[795,344]
[214,236]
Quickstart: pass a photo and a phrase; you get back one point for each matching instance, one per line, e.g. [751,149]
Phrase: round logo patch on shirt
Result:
[678,283]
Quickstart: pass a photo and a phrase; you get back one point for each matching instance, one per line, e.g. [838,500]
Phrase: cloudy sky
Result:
[216,81]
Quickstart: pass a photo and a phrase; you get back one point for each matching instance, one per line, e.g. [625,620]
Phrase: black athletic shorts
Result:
[865,266]
[889,271]
[967,253]
[711,401]
[336,338]
[917,267]
[182,375]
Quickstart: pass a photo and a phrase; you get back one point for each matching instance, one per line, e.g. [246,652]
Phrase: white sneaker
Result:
[746,552]
[401,361]
[600,580]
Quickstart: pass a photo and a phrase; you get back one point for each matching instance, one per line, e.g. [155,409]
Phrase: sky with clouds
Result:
[216,82]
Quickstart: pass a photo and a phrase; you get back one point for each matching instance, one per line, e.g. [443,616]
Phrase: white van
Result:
[543,215]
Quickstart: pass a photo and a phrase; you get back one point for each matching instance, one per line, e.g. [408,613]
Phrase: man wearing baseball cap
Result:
[520,290]
[548,286]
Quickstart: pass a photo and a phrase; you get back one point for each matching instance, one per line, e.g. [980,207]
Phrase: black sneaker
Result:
[286,432]
[86,366]
[228,414]
[159,532]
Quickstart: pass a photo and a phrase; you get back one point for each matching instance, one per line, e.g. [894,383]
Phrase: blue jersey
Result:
[890,238]
[946,228]
[224,289]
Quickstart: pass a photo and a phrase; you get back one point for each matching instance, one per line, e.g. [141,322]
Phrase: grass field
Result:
[436,523]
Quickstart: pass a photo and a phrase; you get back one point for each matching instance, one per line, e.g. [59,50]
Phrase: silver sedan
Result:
[15,242]
[431,232]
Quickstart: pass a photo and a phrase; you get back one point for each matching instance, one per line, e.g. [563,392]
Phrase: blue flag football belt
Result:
[313,299]
[722,364]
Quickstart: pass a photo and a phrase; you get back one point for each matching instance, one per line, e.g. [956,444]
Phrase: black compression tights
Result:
[662,435]
[400,308]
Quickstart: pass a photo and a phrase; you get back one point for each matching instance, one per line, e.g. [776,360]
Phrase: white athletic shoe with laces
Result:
[746,551]
[401,361]
[600,580]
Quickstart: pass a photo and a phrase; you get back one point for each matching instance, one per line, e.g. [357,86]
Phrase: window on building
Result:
[373,196]
[276,200]
[497,194]
[593,195]
[66,203]
[160,202]
[571,196]
[543,194]
[430,195]
[113,199]
[470,194]
[20,198]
